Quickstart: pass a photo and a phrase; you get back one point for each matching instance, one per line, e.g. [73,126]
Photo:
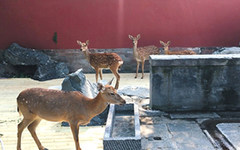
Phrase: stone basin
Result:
[122,128]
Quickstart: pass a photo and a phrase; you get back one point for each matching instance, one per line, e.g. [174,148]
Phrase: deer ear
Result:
[79,42]
[168,43]
[110,82]
[87,42]
[130,37]
[100,86]
[138,36]
[161,42]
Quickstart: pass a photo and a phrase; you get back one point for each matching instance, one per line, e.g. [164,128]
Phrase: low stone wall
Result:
[195,82]
[75,59]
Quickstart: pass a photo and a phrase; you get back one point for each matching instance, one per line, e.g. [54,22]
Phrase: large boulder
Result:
[17,55]
[45,68]
[7,70]
[77,82]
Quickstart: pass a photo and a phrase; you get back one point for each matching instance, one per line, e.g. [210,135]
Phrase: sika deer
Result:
[142,53]
[99,61]
[53,105]
[182,52]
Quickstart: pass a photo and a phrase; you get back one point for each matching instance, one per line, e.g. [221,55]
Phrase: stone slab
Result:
[232,132]
[174,135]
[189,136]
[156,136]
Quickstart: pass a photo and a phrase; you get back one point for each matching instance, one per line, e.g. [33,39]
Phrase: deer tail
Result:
[19,111]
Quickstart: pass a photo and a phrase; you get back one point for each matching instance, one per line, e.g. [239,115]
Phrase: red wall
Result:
[107,23]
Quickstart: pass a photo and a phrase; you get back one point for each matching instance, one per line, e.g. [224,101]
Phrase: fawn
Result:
[99,61]
[142,53]
[182,52]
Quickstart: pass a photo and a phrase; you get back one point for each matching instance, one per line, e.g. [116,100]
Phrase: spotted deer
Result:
[182,52]
[99,61]
[73,107]
[142,53]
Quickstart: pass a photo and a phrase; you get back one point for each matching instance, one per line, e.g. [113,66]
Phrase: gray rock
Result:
[26,58]
[50,70]
[228,50]
[134,91]
[17,55]
[7,70]
[77,82]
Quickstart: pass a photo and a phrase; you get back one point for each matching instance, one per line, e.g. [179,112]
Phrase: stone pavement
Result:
[159,130]
[232,132]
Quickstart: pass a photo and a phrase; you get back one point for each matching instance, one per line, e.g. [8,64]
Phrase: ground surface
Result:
[51,134]
[159,130]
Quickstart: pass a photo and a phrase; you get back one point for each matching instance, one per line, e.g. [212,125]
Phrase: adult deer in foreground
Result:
[36,104]
[99,61]
[142,53]
[182,52]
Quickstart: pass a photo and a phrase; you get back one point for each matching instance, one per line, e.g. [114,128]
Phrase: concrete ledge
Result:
[122,142]
[195,82]
[194,60]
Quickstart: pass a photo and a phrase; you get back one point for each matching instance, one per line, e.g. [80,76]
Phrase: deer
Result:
[99,61]
[141,54]
[73,107]
[182,52]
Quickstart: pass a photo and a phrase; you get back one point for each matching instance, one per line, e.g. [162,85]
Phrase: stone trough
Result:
[123,128]
[195,82]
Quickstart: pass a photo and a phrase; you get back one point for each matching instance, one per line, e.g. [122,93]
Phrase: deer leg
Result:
[32,130]
[97,71]
[137,69]
[143,61]
[100,72]
[75,129]
[115,72]
[21,126]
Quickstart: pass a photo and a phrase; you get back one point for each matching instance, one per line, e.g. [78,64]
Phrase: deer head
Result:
[84,46]
[134,39]
[165,45]
[110,94]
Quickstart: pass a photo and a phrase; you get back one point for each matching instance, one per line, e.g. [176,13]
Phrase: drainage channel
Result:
[216,137]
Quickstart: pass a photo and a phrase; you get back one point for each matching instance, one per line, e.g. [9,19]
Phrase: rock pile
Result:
[18,61]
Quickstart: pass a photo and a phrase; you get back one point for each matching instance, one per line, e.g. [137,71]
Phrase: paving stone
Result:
[193,115]
[158,130]
[158,145]
[232,132]
[189,136]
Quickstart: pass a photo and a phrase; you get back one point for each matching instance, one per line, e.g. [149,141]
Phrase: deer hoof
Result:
[141,77]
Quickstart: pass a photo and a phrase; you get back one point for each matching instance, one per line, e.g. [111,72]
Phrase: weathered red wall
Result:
[107,23]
